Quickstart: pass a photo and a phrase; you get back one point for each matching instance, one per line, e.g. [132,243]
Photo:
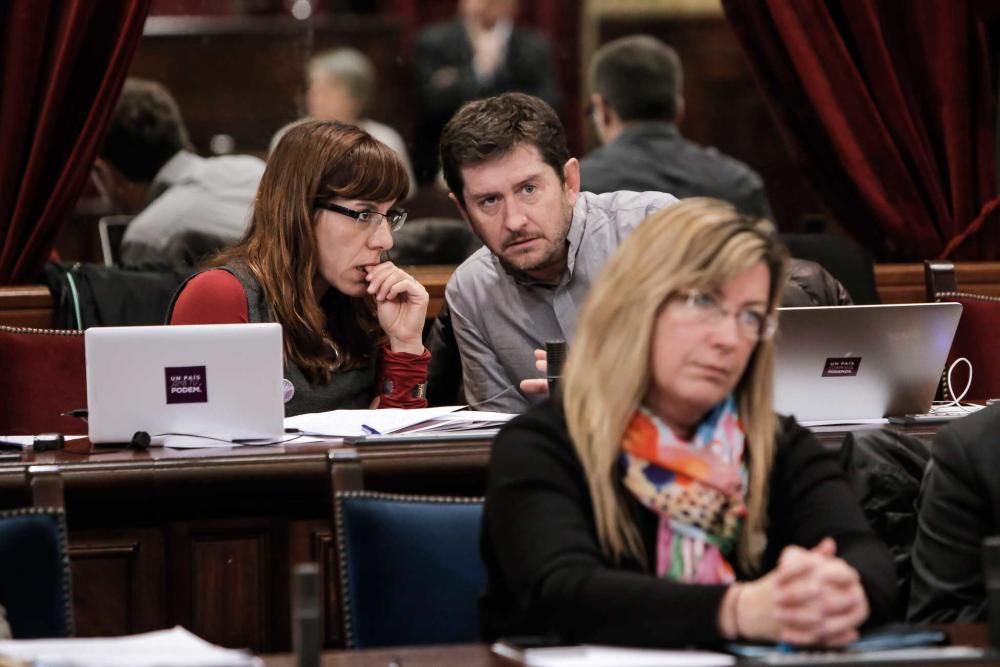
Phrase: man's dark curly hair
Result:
[488,129]
[146,131]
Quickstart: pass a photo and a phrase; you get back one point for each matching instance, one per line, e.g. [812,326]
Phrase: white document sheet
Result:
[164,648]
[344,423]
[610,656]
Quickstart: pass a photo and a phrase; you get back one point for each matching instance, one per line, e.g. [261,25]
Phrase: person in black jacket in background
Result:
[959,507]
[637,104]
[480,53]
[659,500]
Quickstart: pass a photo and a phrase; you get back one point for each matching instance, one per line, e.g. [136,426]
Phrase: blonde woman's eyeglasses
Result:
[699,307]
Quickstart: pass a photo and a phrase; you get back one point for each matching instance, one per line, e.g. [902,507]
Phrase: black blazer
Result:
[959,506]
[527,68]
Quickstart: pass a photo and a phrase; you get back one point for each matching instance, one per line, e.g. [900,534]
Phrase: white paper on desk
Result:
[164,648]
[609,656]
[344,423]
[842,422]
[190,441]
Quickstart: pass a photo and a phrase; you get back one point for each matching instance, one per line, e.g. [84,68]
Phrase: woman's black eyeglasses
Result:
[372,219]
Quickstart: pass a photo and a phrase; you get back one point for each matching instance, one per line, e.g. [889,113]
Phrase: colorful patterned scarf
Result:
[696,487]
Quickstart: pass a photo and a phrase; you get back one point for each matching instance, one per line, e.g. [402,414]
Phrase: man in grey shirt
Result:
[510,174]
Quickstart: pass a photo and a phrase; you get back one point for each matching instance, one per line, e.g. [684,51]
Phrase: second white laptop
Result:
[849,363]
[216,380]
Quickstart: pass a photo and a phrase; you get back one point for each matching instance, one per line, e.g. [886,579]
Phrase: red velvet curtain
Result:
[62,65]
[888,106]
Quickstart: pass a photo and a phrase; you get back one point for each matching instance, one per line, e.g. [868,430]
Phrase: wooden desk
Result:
[207,538]
[478,655]
[460,655]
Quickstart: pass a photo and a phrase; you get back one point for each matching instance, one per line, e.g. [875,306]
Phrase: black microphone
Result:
[306,614]
[991,574]
[555,353]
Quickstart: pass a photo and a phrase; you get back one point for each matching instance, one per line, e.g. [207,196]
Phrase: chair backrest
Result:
[975,338]
[410,571]
[43,375]
[35,592]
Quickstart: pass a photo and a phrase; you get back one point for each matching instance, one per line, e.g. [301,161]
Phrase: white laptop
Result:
[215,380]
[849,363]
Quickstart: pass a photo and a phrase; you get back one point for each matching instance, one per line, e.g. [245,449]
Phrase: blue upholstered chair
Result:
[410,571]
[35,583]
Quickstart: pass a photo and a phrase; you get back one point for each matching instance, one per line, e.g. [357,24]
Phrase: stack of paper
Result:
[345,423]
[164,648]
[354,423]
[458,422]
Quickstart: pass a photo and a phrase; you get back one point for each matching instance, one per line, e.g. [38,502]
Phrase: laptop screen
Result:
[861,362]
[216,380]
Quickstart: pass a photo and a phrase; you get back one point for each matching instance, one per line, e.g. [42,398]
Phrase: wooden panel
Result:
[897,283]
[313,542]
[118,587]
[244,76]
[226,573]
[904,283]
[26,306]
[31,305]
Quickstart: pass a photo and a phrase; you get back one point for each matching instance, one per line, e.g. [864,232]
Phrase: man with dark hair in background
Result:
[147,167]
[637,101]
[479,53]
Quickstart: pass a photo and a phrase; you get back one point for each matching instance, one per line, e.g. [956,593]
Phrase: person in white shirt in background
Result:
[147,167]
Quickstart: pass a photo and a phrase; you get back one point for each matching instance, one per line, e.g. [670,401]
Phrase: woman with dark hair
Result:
[659,500]
[312,260]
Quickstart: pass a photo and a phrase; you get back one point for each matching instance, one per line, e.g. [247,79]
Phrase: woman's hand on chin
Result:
[401,305]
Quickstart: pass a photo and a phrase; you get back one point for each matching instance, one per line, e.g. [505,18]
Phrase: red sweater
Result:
[217,297]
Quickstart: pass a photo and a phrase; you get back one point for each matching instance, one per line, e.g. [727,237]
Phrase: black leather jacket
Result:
[809,284]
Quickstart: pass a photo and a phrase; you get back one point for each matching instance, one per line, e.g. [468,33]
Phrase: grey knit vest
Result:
[351,389]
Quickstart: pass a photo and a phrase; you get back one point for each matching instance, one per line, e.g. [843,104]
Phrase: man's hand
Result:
[537,386]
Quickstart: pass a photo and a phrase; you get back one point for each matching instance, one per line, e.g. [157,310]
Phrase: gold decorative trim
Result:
[4,328]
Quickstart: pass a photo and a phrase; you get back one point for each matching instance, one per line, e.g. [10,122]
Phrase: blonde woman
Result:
[661,501]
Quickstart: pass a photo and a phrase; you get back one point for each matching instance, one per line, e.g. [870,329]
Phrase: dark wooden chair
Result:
[976,336]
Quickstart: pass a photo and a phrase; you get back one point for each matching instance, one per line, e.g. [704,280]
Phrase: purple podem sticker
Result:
[186,384]
[841,367]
